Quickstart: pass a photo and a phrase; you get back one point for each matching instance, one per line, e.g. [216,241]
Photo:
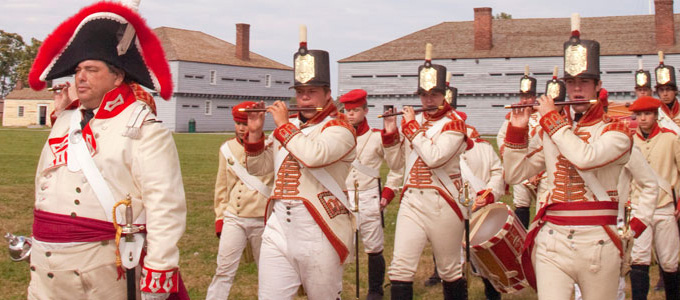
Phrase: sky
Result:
[343,28]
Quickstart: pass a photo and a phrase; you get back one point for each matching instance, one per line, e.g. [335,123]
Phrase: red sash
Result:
[56,228]
[564,214]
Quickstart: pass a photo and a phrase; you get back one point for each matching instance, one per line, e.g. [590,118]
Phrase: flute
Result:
[576,102]
[289,109]
[416,111]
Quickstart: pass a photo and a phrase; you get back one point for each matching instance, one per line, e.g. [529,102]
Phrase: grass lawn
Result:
[19,152]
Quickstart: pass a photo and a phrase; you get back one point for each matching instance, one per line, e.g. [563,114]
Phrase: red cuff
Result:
[552,122]
[53,118]
[253,149]
[389,140]
[516,137]
[154,281]
[218,227]
[489,197]
[388,194]
[411,129]
[285,132]
[637,226]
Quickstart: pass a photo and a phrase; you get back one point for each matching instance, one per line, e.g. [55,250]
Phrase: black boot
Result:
[523,214]
[401,290]
[456,290]
[434,279]
[490,292]
[639,281]
[671,283]
[376,276]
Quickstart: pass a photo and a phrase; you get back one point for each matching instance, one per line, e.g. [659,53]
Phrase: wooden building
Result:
[25,107]
[487,58]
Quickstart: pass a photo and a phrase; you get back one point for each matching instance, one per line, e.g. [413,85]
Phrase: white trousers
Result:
[663,237]
[236,232]
[621,294]
[295,251]
[585,255]
[370,225]
[425,216]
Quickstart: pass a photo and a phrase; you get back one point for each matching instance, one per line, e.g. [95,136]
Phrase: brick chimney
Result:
[665,30]
[243,41]
[482,25]
[19,85]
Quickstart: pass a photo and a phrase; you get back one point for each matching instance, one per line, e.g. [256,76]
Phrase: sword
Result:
[356,236]
[382,215]
[128,230]
[626,240]
[466,203]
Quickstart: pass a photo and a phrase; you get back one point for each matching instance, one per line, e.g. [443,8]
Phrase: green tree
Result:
[27,58]
[503,16]
[11,54]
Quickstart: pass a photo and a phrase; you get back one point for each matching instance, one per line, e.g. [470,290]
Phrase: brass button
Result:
[288,207]
[50,275]
[77,202]
[288,220]
[96,135]
[48,253]
[33,268]
[78,190]
[230,161]
[570,236]
[238,205]
[43,187]
[76,273]
[550,231]
[601,242]
[73,215]
[105,243]
[288,213]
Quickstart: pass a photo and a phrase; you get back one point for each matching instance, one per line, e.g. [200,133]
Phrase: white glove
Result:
[155,296]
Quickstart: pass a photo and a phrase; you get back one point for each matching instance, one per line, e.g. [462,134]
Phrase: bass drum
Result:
[496,238]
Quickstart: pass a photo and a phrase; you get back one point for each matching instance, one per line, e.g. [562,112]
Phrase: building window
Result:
[208,107]
[268,80]
[213,77]
[20,112]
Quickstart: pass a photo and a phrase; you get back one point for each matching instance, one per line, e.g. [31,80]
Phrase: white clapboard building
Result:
[210,76]
[487,58]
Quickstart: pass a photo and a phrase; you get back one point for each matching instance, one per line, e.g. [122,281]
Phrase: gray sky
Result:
[343,27]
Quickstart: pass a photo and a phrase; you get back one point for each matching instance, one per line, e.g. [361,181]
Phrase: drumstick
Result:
[416,111]
[575,102]
[290,109]
[474,205]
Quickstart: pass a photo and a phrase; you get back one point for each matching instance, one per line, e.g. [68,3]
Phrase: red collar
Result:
[363,127]
[115,101]
[439,114]
[655,130]
[593,115]
[674,112]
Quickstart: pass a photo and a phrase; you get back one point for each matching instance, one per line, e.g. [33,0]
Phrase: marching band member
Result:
[109,147]
[309,229]
[667,89]
[661,148]
[525,192]
[429,150]
[365,173]
[240,200]
[573,238]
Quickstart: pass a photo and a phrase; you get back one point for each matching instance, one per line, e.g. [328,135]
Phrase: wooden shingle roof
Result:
[29,94]
[196,46]
[618,35]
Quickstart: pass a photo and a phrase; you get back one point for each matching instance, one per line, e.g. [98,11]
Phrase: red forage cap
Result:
[645,103]
[354,99]
[241,116]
